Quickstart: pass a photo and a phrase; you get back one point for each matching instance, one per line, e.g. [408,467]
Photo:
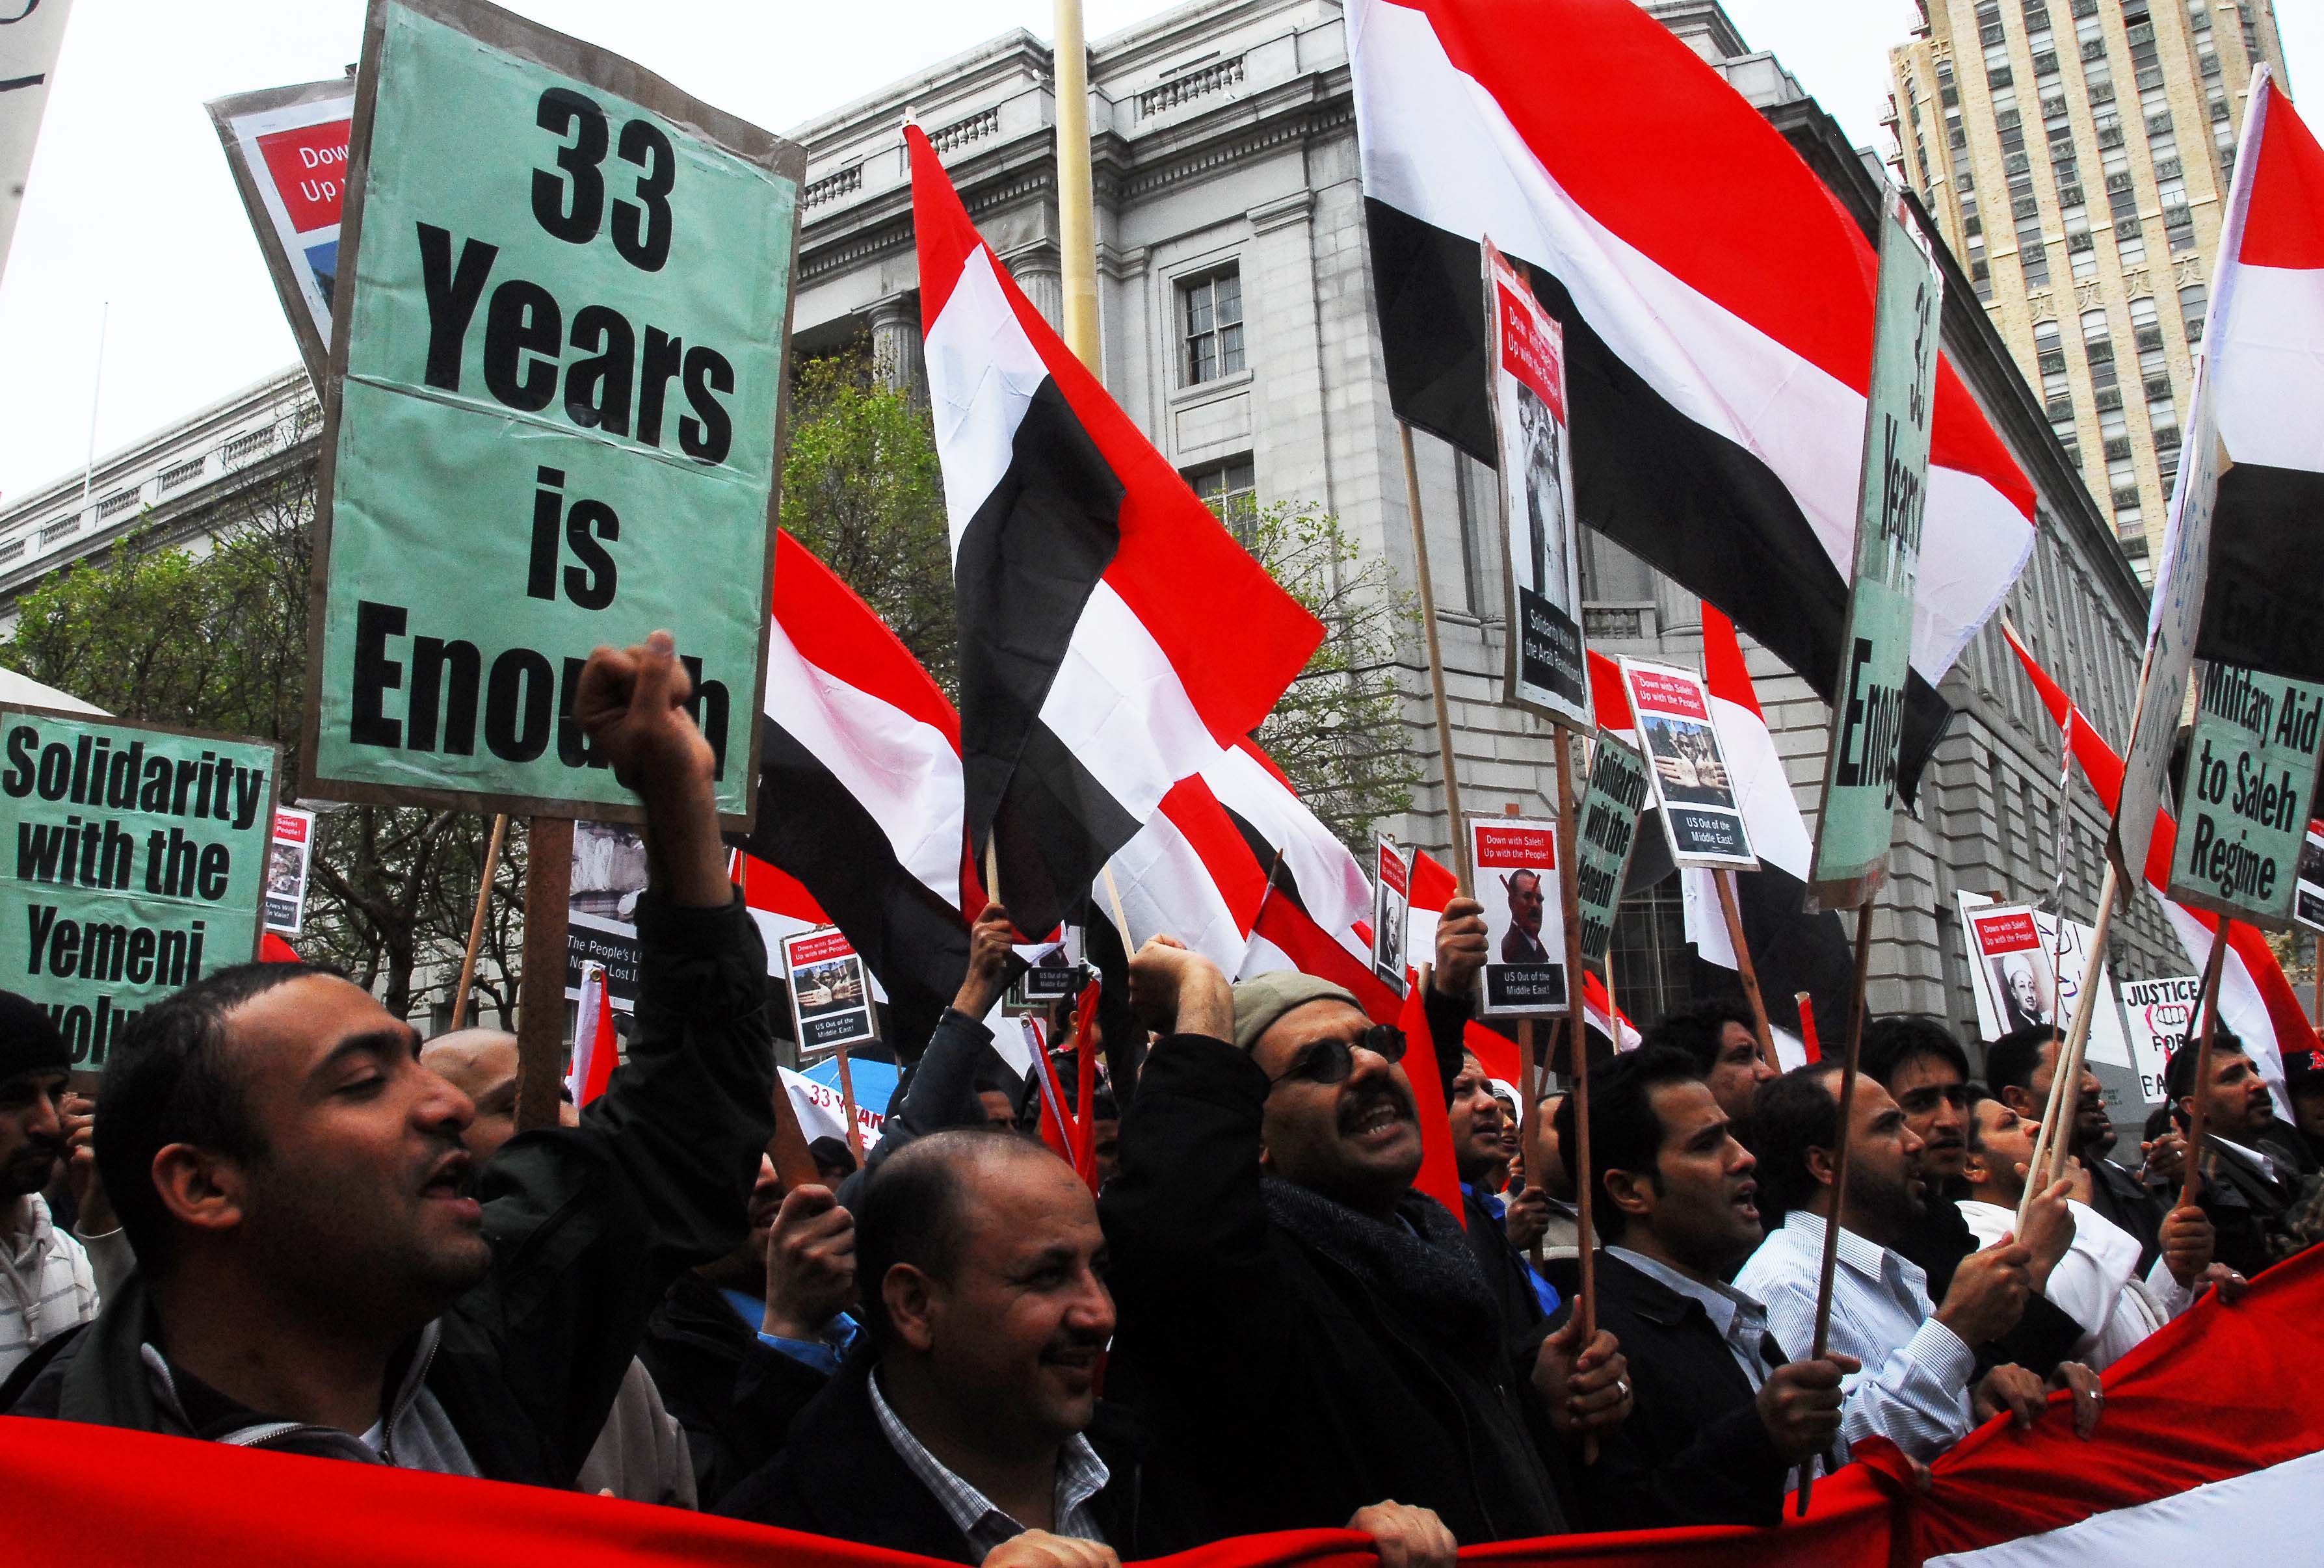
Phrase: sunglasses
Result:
[1333,1061]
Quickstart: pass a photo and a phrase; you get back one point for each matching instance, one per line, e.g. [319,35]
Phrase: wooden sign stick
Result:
[1839,1164]
[2190,1189]
[541,1000]
[1461,868]
[2066,1071]
[1729,907]
[847,1103]
[476,921]
[1578,1034]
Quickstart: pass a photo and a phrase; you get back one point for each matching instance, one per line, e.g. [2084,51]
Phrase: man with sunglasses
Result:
[1305,1331]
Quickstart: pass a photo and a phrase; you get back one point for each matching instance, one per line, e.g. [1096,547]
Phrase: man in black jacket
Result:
[2262,1209]
[318,1276]
[1307,1333]
[1722,1418]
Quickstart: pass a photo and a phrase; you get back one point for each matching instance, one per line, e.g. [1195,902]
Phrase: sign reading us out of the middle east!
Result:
[1856,821]
[562,312]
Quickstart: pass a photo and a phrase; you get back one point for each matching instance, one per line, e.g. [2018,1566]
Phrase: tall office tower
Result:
[2076,155]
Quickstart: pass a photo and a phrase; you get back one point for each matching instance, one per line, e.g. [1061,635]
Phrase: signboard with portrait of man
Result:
[1391,913]
[1516,861]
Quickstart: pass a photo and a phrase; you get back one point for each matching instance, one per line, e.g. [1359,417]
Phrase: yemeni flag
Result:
[2264,345]
[594,1048]
[1113,636]
[1717,305]
[860,793]
[2255,998]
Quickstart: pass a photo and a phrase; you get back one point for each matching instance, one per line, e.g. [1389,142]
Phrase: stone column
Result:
[896,347]
[1037,273]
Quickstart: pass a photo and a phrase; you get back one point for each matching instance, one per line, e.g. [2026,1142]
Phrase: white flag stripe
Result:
[2267,368]
[1165,887]
[1117,705]
[1427,121]
[1771,812]
[903,770]
[982,373]
[2267,1515]
[1330,879]
[2241,1007]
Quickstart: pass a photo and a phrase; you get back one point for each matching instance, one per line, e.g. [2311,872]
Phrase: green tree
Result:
[1338,733]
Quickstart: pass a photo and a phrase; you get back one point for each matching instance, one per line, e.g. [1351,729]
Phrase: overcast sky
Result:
[130,202]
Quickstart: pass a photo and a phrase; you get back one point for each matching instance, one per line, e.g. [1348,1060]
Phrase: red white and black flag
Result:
[1716,306]
[1113,636]
[860,790]
[2264,342]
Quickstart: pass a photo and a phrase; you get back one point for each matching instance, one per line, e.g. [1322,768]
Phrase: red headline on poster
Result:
[1532,349]
[309,165]
[1662,693]
[290,828]
[2008,933]
[807,950]
[1392,873]
[1517,849]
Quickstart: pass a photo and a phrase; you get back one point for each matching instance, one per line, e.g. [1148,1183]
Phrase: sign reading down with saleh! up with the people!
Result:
[558,370]
[139,859]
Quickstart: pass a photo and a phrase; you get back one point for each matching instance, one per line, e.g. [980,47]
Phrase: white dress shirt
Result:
[2095,1283]
[1914,1388]
[1740,1320]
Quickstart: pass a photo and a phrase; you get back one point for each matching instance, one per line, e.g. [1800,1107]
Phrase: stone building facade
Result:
[1237,331]
[2076,155]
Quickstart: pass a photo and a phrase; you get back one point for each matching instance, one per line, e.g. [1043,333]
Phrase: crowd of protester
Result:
[290,1223]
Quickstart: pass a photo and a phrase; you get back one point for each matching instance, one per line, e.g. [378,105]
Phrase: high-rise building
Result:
[2076,155]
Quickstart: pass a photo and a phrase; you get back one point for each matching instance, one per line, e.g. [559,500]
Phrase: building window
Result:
[1229,488]
[2193,299]
[1653,973]
[1210,317]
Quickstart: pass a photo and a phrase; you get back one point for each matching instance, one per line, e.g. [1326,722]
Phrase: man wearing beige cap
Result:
[1306,1333]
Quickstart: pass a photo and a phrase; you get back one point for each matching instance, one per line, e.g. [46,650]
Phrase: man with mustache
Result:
[1306,1331]
[1721,1417]
[320,1272]
[1920,1387]
[46,1285]
[2019,1068]
[2262,1209]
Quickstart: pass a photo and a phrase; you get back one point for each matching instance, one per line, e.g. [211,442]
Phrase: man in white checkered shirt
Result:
[46,1285]
[1920,1386]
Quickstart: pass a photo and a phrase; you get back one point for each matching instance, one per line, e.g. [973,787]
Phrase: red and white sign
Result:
[1667,691]
[1391,916]
[1505,846]
[289,856]
[288,149]
[1525,915]
[1532,347]
[309,168]
[1694,789]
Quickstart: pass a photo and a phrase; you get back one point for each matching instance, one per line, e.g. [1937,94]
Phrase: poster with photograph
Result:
[831,999]
[1516,862]
[287,858]
[2014,969]
[287,150]
[2159,1011]
[2059,958]
[1547,671]
[1391,913]
[2308,903]
[1692,788]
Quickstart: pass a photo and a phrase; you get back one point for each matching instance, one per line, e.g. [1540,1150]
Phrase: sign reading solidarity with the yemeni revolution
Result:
[563,303]
[1610,835]
[140,859]
[1856,822]
[2251,769]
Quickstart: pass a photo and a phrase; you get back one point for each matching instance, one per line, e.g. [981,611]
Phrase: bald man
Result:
[640,1455]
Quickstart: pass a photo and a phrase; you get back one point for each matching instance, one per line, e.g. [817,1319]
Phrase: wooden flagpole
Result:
[2054,1142]
[847,1103]
[1076,203]
[540,1001]
[1840,1163]
[1461,868]
[1729,906]
[476,922]
[1578,1034]
[2191,1187]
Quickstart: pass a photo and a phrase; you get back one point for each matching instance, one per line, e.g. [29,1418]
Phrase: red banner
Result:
[2222,1394]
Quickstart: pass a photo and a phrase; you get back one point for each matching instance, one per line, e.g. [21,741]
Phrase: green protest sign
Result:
[140,860]
[2251,770]
[563,308]
[1856,821]
[1609,834]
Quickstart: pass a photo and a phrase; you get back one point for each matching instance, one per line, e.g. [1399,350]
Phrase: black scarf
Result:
[1421,1263]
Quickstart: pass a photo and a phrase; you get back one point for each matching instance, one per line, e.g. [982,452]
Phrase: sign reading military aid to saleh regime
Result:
[1692,789]
[2251,771]
[1547,670]
[288,149]
[554,416]
[141,858]
[1855,819]
[1516,873]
